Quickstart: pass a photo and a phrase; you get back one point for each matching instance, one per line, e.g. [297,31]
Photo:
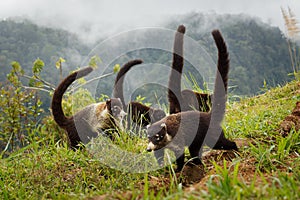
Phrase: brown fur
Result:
[193,128]
[196,101]
[137,112]
[86,123]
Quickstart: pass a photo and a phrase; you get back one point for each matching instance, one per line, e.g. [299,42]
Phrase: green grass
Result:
[267,168]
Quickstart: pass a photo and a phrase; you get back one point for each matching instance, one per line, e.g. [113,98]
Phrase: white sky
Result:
[109,16]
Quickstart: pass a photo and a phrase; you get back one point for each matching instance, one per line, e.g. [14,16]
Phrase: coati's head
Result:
[115,107]
[158,136]
[156,115]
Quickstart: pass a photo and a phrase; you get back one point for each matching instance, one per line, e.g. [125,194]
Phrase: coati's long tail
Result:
[118,87]
[56,106]
[221,81]
[174,85]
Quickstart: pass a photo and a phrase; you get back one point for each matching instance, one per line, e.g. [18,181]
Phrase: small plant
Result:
[225,184]
[293,31]
[263,154]
[20,112]
[287,145]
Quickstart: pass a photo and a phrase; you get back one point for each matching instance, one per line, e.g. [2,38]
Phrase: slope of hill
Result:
[266,166]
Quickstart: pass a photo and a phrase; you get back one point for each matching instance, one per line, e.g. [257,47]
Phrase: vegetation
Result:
[267,165]
[24,42]
[292,30]
[36,162]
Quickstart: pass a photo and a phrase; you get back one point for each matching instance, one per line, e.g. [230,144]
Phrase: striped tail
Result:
[174,85]
[221,81]
[56,106]
[118,87]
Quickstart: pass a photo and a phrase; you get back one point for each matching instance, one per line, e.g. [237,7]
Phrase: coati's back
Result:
[195,101]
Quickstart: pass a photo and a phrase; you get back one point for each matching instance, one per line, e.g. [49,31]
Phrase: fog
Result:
[99,18]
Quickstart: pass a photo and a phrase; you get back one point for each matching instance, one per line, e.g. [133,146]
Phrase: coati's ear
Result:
[164,126]
[108,103]
[148,126]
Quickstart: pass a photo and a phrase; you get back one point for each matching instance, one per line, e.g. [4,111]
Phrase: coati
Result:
[85,124]
[191,128]
[189,100]
[192,100]
[137,112]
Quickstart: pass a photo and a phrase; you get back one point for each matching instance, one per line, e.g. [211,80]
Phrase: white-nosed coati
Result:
[189,100]
[191,128]
[85,124]
[137,112]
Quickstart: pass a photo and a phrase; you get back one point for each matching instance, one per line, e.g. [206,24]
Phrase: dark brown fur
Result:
[137,112]
[187,99]
[85,124]
[193,128]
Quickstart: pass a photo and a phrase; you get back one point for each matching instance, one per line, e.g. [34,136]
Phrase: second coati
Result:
[86,124]
[193,128]
[190,99]
[137,112]
[186,100]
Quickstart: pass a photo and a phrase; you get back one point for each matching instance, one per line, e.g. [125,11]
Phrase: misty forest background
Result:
[259,53]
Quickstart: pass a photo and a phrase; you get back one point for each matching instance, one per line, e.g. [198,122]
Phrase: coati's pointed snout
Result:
[150,147]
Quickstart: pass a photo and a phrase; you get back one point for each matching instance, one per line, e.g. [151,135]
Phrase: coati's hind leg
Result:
[194,150]
[85,132]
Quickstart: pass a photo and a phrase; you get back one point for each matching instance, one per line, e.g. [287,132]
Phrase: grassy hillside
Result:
[266,167]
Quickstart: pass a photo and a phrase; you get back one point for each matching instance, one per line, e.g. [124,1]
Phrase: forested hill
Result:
[24,42]
[258,51]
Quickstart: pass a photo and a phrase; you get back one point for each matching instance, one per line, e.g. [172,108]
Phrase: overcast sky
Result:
[110,16]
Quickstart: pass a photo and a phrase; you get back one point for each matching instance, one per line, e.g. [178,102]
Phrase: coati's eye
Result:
[157,137]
